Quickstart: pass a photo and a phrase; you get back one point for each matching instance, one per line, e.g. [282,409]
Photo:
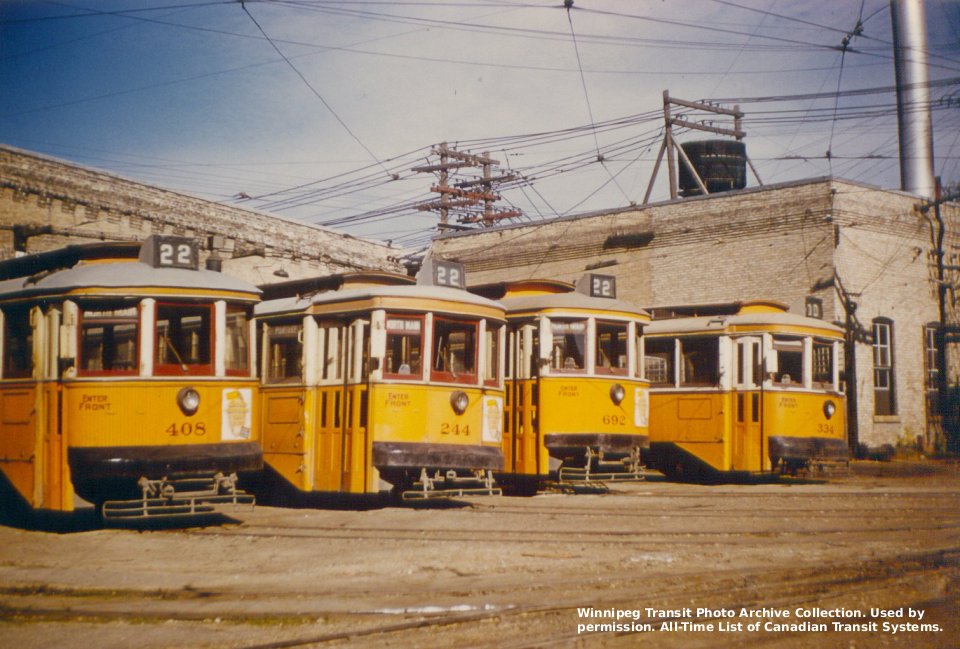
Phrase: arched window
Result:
[884,394]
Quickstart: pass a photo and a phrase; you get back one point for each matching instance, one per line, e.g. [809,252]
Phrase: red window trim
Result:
[173,369]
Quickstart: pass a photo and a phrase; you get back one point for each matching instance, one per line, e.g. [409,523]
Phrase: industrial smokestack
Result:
[913,97]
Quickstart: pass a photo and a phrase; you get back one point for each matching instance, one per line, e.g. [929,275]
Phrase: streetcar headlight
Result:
[829,408]
[189,400]
[617,393]
[459,402]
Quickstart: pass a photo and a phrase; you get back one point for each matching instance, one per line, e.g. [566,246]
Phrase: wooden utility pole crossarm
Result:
[472,205]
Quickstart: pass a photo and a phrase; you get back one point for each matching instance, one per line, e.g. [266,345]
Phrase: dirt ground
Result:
[773,565]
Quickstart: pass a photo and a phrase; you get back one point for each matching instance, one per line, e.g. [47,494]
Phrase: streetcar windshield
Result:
[569,346]
[823,364]
[454,351]
[611,348]
[284,352]
[184,339]
[789,353]
[404,348]
[108,341]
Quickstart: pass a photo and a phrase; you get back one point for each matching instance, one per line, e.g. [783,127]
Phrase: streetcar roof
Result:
[123,275]
[726,323]
[572,300]
[412,293]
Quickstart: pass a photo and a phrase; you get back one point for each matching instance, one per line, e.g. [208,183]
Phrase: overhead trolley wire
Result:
[312,89]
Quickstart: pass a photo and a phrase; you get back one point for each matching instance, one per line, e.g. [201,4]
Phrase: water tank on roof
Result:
[721,164]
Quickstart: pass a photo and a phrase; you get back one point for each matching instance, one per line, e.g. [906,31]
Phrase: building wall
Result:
[775,244]
[47,203]
[612,243]
[883,260]
[834,240]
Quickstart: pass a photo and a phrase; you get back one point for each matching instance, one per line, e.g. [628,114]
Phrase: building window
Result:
[884,395]
[814,307]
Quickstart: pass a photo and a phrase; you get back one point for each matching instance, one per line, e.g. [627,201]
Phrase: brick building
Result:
[850,253]
[47,203]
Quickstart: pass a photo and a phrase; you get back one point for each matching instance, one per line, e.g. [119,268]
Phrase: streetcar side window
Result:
[17,344]
[823,364]
[491,347]
[700,366]
[455,351]
[237,349]
[108,341]
[184,339]
[284,353]
[403,358]
[611,350]
[789,353]
[569,346]
[658,361]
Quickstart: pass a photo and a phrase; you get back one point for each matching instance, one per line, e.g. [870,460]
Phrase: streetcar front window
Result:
[569,346]
[17,344]
[611,348]
[404,353]
[284,354]
[237,349]
[700,366]
[823,364]
[108,341]
[789,361]
[184,339]
[455,351]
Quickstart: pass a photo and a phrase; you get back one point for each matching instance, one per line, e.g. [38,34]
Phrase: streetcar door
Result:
[355,354]
[520,434]
[746,445]
[329,404]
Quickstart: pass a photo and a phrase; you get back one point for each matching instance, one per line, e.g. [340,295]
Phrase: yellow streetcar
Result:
[374,383]
[746,387]
[577,404]
[127,380]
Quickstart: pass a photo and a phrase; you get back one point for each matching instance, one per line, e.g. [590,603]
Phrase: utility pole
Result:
[853,333]
[465,196]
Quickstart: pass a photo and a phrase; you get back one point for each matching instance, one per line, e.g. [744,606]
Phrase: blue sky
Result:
[318,110]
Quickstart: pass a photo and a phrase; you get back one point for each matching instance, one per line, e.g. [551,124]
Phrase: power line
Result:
[312,89]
